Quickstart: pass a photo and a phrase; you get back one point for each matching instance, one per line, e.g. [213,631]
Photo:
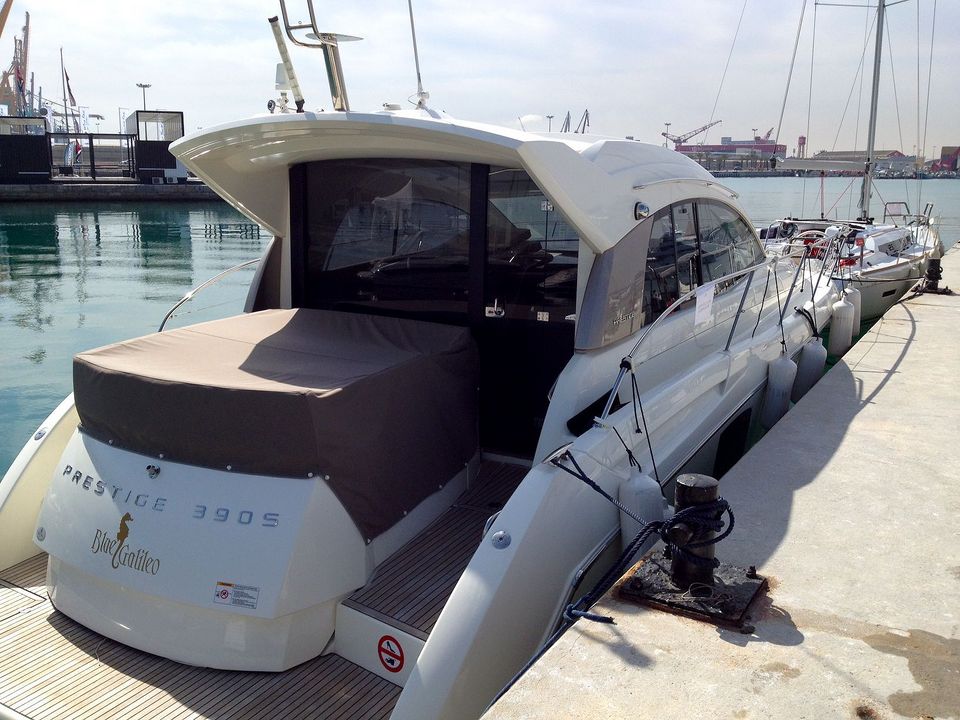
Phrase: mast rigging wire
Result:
[856,125]
[813,45]
[896,102]
[793,59]
[727,65]
[917,145]
[926,112]
[863,56]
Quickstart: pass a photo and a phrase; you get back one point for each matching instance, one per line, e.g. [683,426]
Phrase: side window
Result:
[687,247]
[727,242]
[660,287]
[531,271]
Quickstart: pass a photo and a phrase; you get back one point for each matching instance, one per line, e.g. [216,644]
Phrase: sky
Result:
[635,65]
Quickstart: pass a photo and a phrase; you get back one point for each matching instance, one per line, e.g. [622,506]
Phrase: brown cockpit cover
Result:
[385,407]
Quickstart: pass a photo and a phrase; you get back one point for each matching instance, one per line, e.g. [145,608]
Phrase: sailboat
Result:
[363,482]
[881,260]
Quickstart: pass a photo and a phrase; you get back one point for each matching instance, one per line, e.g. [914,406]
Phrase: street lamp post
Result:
[144,86]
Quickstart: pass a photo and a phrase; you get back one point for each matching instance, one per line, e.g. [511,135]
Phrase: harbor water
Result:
[76,276]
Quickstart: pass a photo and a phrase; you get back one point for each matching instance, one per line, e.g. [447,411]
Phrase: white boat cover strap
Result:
[386,407]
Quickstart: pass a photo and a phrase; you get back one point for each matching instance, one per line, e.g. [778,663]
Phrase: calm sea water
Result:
[76,276]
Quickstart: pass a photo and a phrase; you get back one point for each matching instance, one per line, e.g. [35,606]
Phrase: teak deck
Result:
[410,588]
[52,667]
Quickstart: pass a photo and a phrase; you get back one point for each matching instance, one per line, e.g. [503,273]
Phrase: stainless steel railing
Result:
[802,254]
[207,283]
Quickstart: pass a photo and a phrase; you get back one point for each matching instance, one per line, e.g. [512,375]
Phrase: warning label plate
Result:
[245,596]
[391,654]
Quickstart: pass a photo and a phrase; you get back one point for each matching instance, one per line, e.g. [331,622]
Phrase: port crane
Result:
[4,12]
[680,139]
[13,82]
[581,126]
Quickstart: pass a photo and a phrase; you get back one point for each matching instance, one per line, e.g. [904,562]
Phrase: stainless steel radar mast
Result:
[329,42]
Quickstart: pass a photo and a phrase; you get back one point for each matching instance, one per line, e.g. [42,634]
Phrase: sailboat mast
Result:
[866,190]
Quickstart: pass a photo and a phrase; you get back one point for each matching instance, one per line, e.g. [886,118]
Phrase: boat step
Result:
[54,667]
[384,625]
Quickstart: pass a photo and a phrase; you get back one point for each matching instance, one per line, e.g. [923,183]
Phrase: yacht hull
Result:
[882,287]
[25,483]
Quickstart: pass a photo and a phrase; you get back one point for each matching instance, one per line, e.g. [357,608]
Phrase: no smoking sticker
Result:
[391,654]
[245,596]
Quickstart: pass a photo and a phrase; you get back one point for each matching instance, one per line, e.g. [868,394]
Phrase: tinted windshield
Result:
[394,233]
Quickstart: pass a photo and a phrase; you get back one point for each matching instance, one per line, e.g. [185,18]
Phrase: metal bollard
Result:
[931,282]
[692,489]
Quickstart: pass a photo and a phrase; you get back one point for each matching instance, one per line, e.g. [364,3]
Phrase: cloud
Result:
[635,65]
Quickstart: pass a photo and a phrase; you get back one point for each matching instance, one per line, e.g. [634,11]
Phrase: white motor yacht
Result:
[367,469]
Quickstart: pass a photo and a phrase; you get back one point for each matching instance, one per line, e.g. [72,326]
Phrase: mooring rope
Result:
[706,517]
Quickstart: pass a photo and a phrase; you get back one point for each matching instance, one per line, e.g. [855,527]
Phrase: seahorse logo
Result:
[121,554]
[124,530]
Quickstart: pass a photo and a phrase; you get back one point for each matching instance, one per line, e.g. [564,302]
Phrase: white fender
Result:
[841,328]
[813,358]
[640,494]
[780,375]
[853,296]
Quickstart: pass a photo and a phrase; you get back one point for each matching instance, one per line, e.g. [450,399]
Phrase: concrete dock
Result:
[850,506]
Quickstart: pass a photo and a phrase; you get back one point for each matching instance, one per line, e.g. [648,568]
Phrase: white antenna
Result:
[422,95]
[289,72]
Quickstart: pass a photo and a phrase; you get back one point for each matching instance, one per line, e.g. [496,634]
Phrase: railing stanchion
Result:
[627,364]
[736,318]
[796,275]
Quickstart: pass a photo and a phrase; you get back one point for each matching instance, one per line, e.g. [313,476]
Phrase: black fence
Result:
[92,155]
[29,154]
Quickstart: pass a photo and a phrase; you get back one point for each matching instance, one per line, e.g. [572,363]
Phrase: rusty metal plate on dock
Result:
[724,603]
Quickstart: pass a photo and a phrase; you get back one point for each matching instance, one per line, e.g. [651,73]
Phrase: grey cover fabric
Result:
[385,407]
